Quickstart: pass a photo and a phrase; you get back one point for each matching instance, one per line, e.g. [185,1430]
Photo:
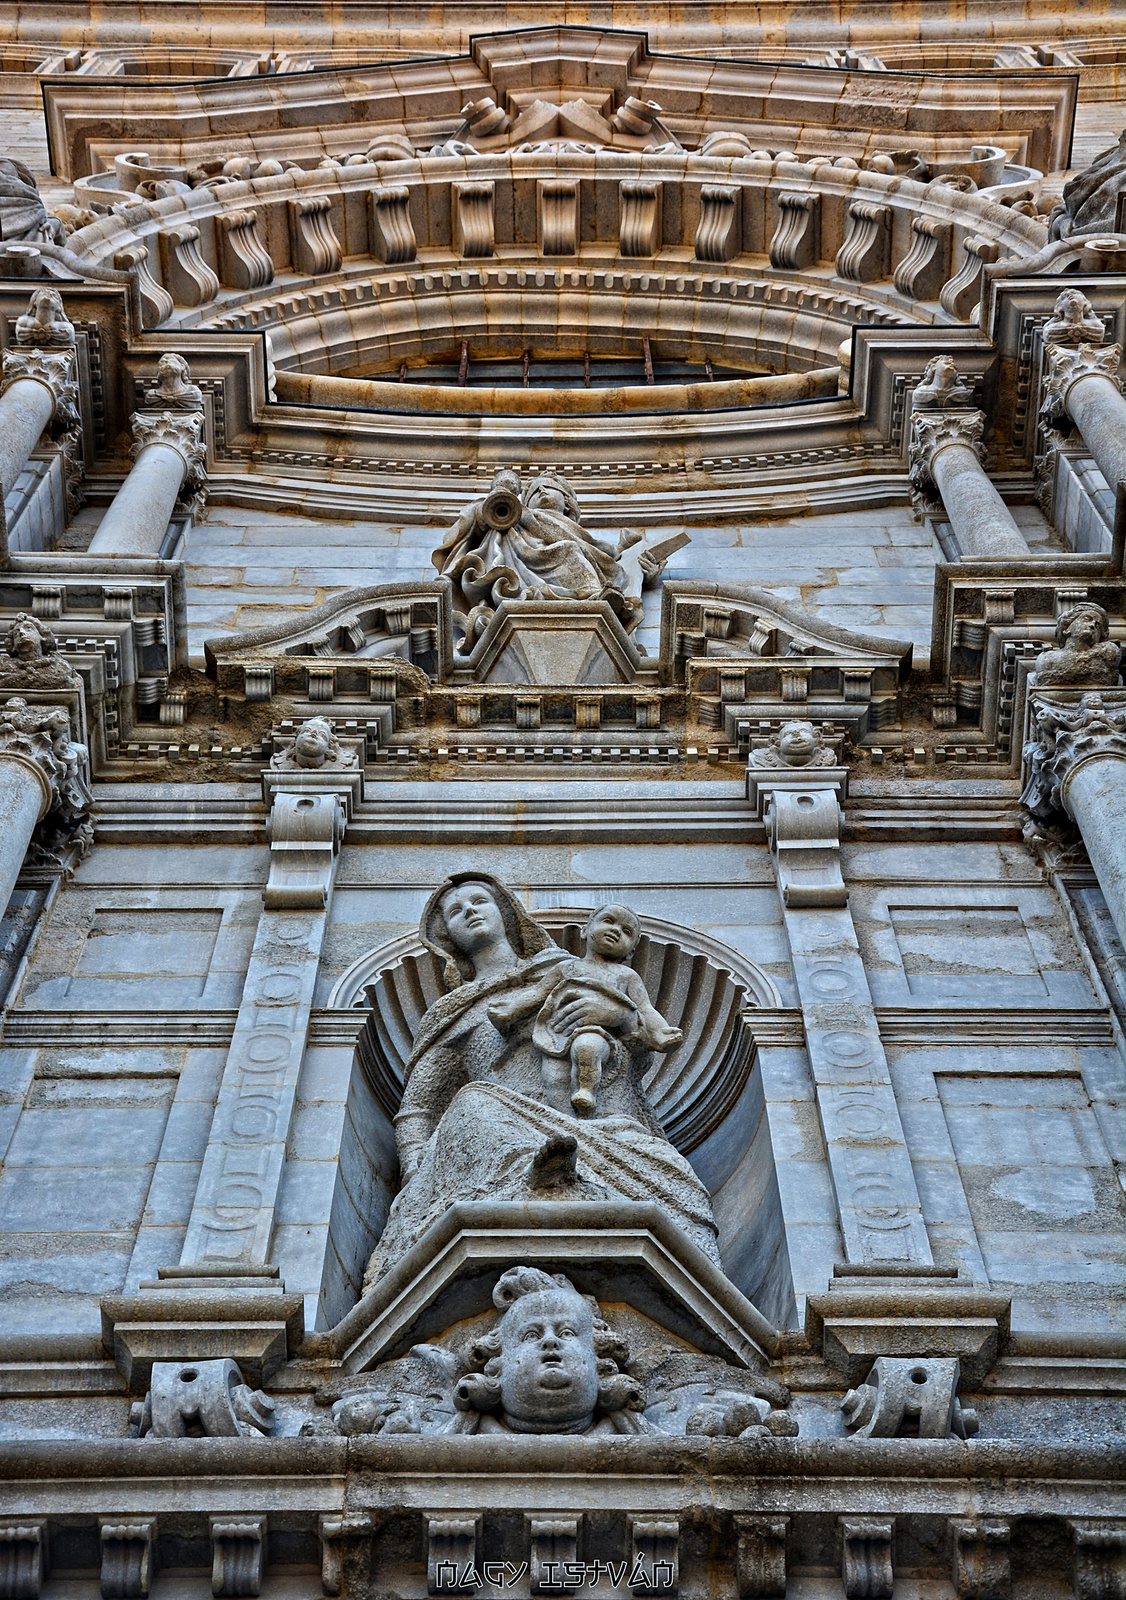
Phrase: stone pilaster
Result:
[880,1215]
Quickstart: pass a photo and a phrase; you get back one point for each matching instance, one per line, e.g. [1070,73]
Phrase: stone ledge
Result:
[851,1327]
[615,1251]
[255,1327]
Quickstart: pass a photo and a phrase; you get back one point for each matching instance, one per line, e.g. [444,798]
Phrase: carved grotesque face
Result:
[612,933]
[549,1371]
[472,917]
[312,744]
[25,642]
[797,743]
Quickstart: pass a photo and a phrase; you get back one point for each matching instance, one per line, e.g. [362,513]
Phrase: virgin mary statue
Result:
[478,1121]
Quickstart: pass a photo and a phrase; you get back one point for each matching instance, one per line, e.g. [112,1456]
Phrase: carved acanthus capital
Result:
[1066,366]
[1066,737]
[183,432]
[53,369]
[932,431]
[38,737]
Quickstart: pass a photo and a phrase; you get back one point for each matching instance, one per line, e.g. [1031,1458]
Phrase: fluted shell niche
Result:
[702,987]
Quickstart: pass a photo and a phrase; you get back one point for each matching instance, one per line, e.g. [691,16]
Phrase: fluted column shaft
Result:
[168,454]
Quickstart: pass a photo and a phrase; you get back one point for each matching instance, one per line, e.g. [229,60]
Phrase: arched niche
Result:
[701,986]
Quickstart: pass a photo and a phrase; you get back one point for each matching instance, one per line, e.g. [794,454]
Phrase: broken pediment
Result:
[747,658]
[549,642]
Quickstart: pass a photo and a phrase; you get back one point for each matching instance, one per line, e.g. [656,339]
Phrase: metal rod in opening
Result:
[708,369]
[649,378]
[403,372]
[527,364]
[463,364]
[586,369]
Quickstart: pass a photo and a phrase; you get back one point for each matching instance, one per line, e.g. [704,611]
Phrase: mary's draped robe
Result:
[474,1115]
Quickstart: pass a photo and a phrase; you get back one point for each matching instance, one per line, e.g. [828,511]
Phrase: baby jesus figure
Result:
[571,1046]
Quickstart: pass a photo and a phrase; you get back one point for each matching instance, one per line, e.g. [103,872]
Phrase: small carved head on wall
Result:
[550,1364]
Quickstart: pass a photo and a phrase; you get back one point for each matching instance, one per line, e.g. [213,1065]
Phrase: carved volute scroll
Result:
[717,235]
[864,252]
[474,218]
[190,279]
[392,232]
[639,224]
[795,241]
[245,262]
[156,302]
[558,214]
[962,292]
[923,270]
[316,249]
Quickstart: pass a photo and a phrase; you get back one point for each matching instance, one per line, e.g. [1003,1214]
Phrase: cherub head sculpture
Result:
[551,1364]
[314,745]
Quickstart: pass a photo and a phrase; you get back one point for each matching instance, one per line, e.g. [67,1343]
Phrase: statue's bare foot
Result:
[554,1162]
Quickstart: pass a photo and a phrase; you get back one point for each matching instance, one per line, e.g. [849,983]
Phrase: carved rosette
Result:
[1065,367]
[38,738]
[54,369]
[932,431]
[182,432]
[1066,737]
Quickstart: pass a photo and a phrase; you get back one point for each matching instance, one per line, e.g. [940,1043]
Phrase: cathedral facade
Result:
[563,780]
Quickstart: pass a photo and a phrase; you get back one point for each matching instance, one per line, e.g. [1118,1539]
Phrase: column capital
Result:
[181,431]
[53,369]
[932,431]
[1068,734]
[1065,365]
[38,738]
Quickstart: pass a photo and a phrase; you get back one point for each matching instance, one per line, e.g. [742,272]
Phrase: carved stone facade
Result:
[561,843]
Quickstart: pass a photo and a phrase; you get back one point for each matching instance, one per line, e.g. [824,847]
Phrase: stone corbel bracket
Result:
[917,1314]
[802,810]
[306,831]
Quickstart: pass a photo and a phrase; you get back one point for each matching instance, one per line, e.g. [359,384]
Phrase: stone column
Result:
[35,385]
[1077,766]
[168,458]
[39,771]
[946,456]
[878,1205]
[1082,382]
